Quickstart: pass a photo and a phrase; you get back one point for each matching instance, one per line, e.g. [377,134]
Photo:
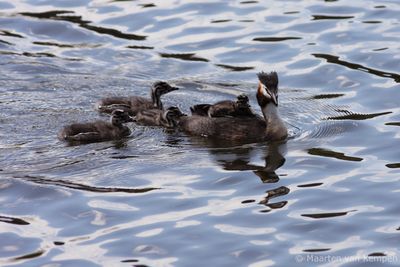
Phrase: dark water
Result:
[328,196]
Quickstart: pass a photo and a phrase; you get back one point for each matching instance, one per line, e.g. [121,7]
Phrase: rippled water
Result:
[328,196]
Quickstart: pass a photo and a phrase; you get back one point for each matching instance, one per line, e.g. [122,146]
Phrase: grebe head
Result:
[242,101]
[158,89]
[267,88]
[119,116]
[172,116]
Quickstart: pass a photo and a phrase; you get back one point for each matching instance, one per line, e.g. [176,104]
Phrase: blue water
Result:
[326,197]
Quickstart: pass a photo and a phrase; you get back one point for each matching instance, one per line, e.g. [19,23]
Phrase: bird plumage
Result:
[97,131]
[134,104]
[243,128]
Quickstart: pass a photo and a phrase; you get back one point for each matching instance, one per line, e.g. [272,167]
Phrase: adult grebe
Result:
[243,129]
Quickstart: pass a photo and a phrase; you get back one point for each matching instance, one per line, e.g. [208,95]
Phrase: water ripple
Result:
[60,15]
[336,60]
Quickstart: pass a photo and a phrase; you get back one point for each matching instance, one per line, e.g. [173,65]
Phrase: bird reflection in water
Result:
[239,158]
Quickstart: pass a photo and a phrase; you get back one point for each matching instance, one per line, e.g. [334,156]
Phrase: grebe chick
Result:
[155,117]
[97,131]
[244,129]
[134,104]
[240,107]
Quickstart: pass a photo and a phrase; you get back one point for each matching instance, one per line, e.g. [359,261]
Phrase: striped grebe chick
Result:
[134,104]
[238,108]
[98,131]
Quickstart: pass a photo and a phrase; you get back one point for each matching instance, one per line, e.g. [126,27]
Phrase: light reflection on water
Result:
[164,199]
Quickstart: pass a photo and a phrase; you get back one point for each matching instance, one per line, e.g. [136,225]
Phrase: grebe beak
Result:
[172,88]
[122,115]
[130,119]
[274,98]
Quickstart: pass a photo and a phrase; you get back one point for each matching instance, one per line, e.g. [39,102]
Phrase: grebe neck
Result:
[276,128]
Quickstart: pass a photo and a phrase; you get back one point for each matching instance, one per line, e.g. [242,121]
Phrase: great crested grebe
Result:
[98,131]
[240,107]
[156,117]
[243,129]
[134,104]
